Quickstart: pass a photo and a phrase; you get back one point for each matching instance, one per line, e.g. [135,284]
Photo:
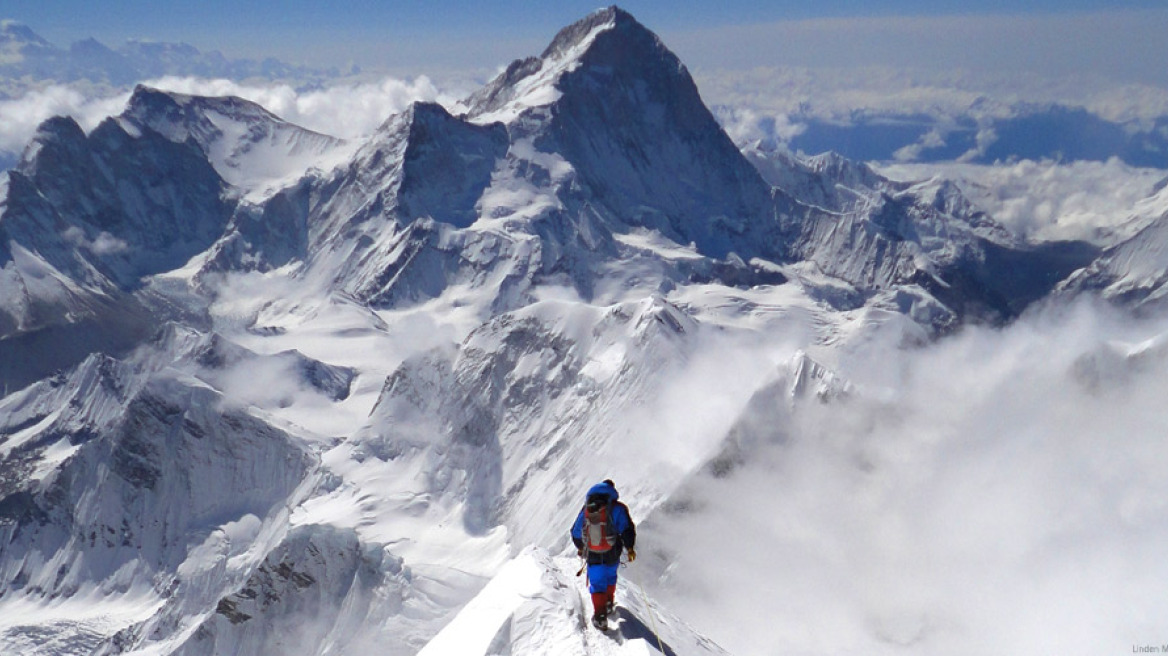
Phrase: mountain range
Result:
[271,391]
[25,55]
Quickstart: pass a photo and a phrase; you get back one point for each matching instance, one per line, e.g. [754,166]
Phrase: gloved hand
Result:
[632,555]
[580,552]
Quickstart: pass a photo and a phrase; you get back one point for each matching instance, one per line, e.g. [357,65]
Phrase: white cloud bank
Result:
[999,492]
[19,117]
[945,68]
[348,110]
[748,100]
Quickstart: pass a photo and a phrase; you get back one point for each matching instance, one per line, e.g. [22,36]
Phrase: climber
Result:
[602,529]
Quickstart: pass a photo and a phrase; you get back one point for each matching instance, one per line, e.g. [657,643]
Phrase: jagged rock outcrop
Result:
[319,591]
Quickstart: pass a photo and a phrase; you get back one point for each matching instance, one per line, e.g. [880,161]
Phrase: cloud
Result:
[835,93]
[20,116]
[932,139]
[104,244]
[980,495]
[745,125]
[779,101]
[345,109]
[929,73]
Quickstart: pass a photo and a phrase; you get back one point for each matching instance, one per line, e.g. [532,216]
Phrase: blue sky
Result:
[128,17]
[1053,35]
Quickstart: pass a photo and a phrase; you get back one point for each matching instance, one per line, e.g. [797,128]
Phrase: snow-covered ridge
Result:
[1133,271]
[251,148]
[533,607]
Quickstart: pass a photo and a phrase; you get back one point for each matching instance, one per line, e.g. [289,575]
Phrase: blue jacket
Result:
[622,522]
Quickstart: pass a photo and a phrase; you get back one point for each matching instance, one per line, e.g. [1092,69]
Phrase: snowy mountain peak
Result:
[579,35]
[14,36]
[606,39]
[91,47]
[418,122]
[849,172]
[251,148]
[532,81]
[179,116]
[85,205]
[424,162]
[151,104]
[55,138]
[621,110]
[145,99]
[446,164]
[12,31]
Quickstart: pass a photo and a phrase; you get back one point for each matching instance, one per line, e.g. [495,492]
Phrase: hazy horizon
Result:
[1121,42]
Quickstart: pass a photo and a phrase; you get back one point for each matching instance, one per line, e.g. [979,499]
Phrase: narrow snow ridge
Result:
[536,606]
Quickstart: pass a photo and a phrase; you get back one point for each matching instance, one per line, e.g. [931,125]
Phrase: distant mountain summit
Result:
[253,150]
[18,42]
[623,111]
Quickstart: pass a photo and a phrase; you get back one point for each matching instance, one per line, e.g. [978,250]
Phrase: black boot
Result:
[600,621]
